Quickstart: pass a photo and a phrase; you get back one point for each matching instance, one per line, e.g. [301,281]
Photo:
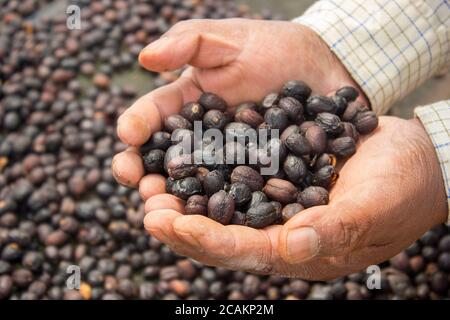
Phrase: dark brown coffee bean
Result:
[221,207]
[181,167]
[257,198]
[213,182]
[341,104]
[323,160]
[313,196]
[212,101]
[250,117]
[352,109]
[176,121]
[245,106]
[263,215]
[241,193]
[288,131]
[184,188]
[330,123]
[158,140]
[6,286]
[296,89]
[349,131]
[325,177]
[154,161]
[298,144]
[318,104]
[342,147]
[276,118]
[280,190]
[349,93]
[214,119]
[238,218]
[248,176]
[192,111]
[197,204]
[317,139]
[295,168]
[365,121]
[270,101]
[290,210]
[305,126]
[293,108]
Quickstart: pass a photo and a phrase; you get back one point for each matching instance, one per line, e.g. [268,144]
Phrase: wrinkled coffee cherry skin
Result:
[298,144]
[212,182]
[276,118]
[318,104]
[342,147]
[365,121]
[197,204]
[295,168]
[262,215]
[330,123]
[325,176]
[293,108]
[184,188]
[175,121]
[181,167]
[313,196]
[270,101]
[280,190]
[241,193]
[290,210]
[238,218]
[212,101]
[352,110]
[250,117]
[257,198]
[349,131]
[154,161]
[221,207]
[248,176]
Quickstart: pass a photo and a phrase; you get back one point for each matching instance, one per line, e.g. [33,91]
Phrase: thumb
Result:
[195,47]
[322,231]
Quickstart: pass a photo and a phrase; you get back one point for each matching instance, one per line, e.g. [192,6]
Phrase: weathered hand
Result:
[387,195]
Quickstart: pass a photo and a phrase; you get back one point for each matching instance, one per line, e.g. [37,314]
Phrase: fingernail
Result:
[302,244]
[157,44]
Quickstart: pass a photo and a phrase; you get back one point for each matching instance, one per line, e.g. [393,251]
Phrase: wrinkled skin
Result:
[388,194]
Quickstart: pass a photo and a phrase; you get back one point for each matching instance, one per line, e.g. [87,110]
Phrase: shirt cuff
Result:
[436,120]
[389,47]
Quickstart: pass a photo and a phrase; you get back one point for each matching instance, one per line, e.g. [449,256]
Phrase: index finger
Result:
[145,116]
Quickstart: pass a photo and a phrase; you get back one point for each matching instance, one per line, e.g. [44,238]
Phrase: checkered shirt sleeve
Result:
[436,120]
[390,47]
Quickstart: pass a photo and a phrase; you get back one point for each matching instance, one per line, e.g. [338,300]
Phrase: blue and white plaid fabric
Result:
[390,47]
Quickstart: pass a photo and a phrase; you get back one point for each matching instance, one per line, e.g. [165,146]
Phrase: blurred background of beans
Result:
[60,93]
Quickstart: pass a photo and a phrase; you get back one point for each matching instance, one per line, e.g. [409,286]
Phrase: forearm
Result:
[388,47]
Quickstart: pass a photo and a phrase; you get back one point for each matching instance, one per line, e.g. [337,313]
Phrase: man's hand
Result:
[387,195]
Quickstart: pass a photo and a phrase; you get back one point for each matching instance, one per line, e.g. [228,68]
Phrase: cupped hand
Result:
[387,195]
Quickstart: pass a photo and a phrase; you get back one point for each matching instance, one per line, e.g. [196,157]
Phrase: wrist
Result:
[433,173]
